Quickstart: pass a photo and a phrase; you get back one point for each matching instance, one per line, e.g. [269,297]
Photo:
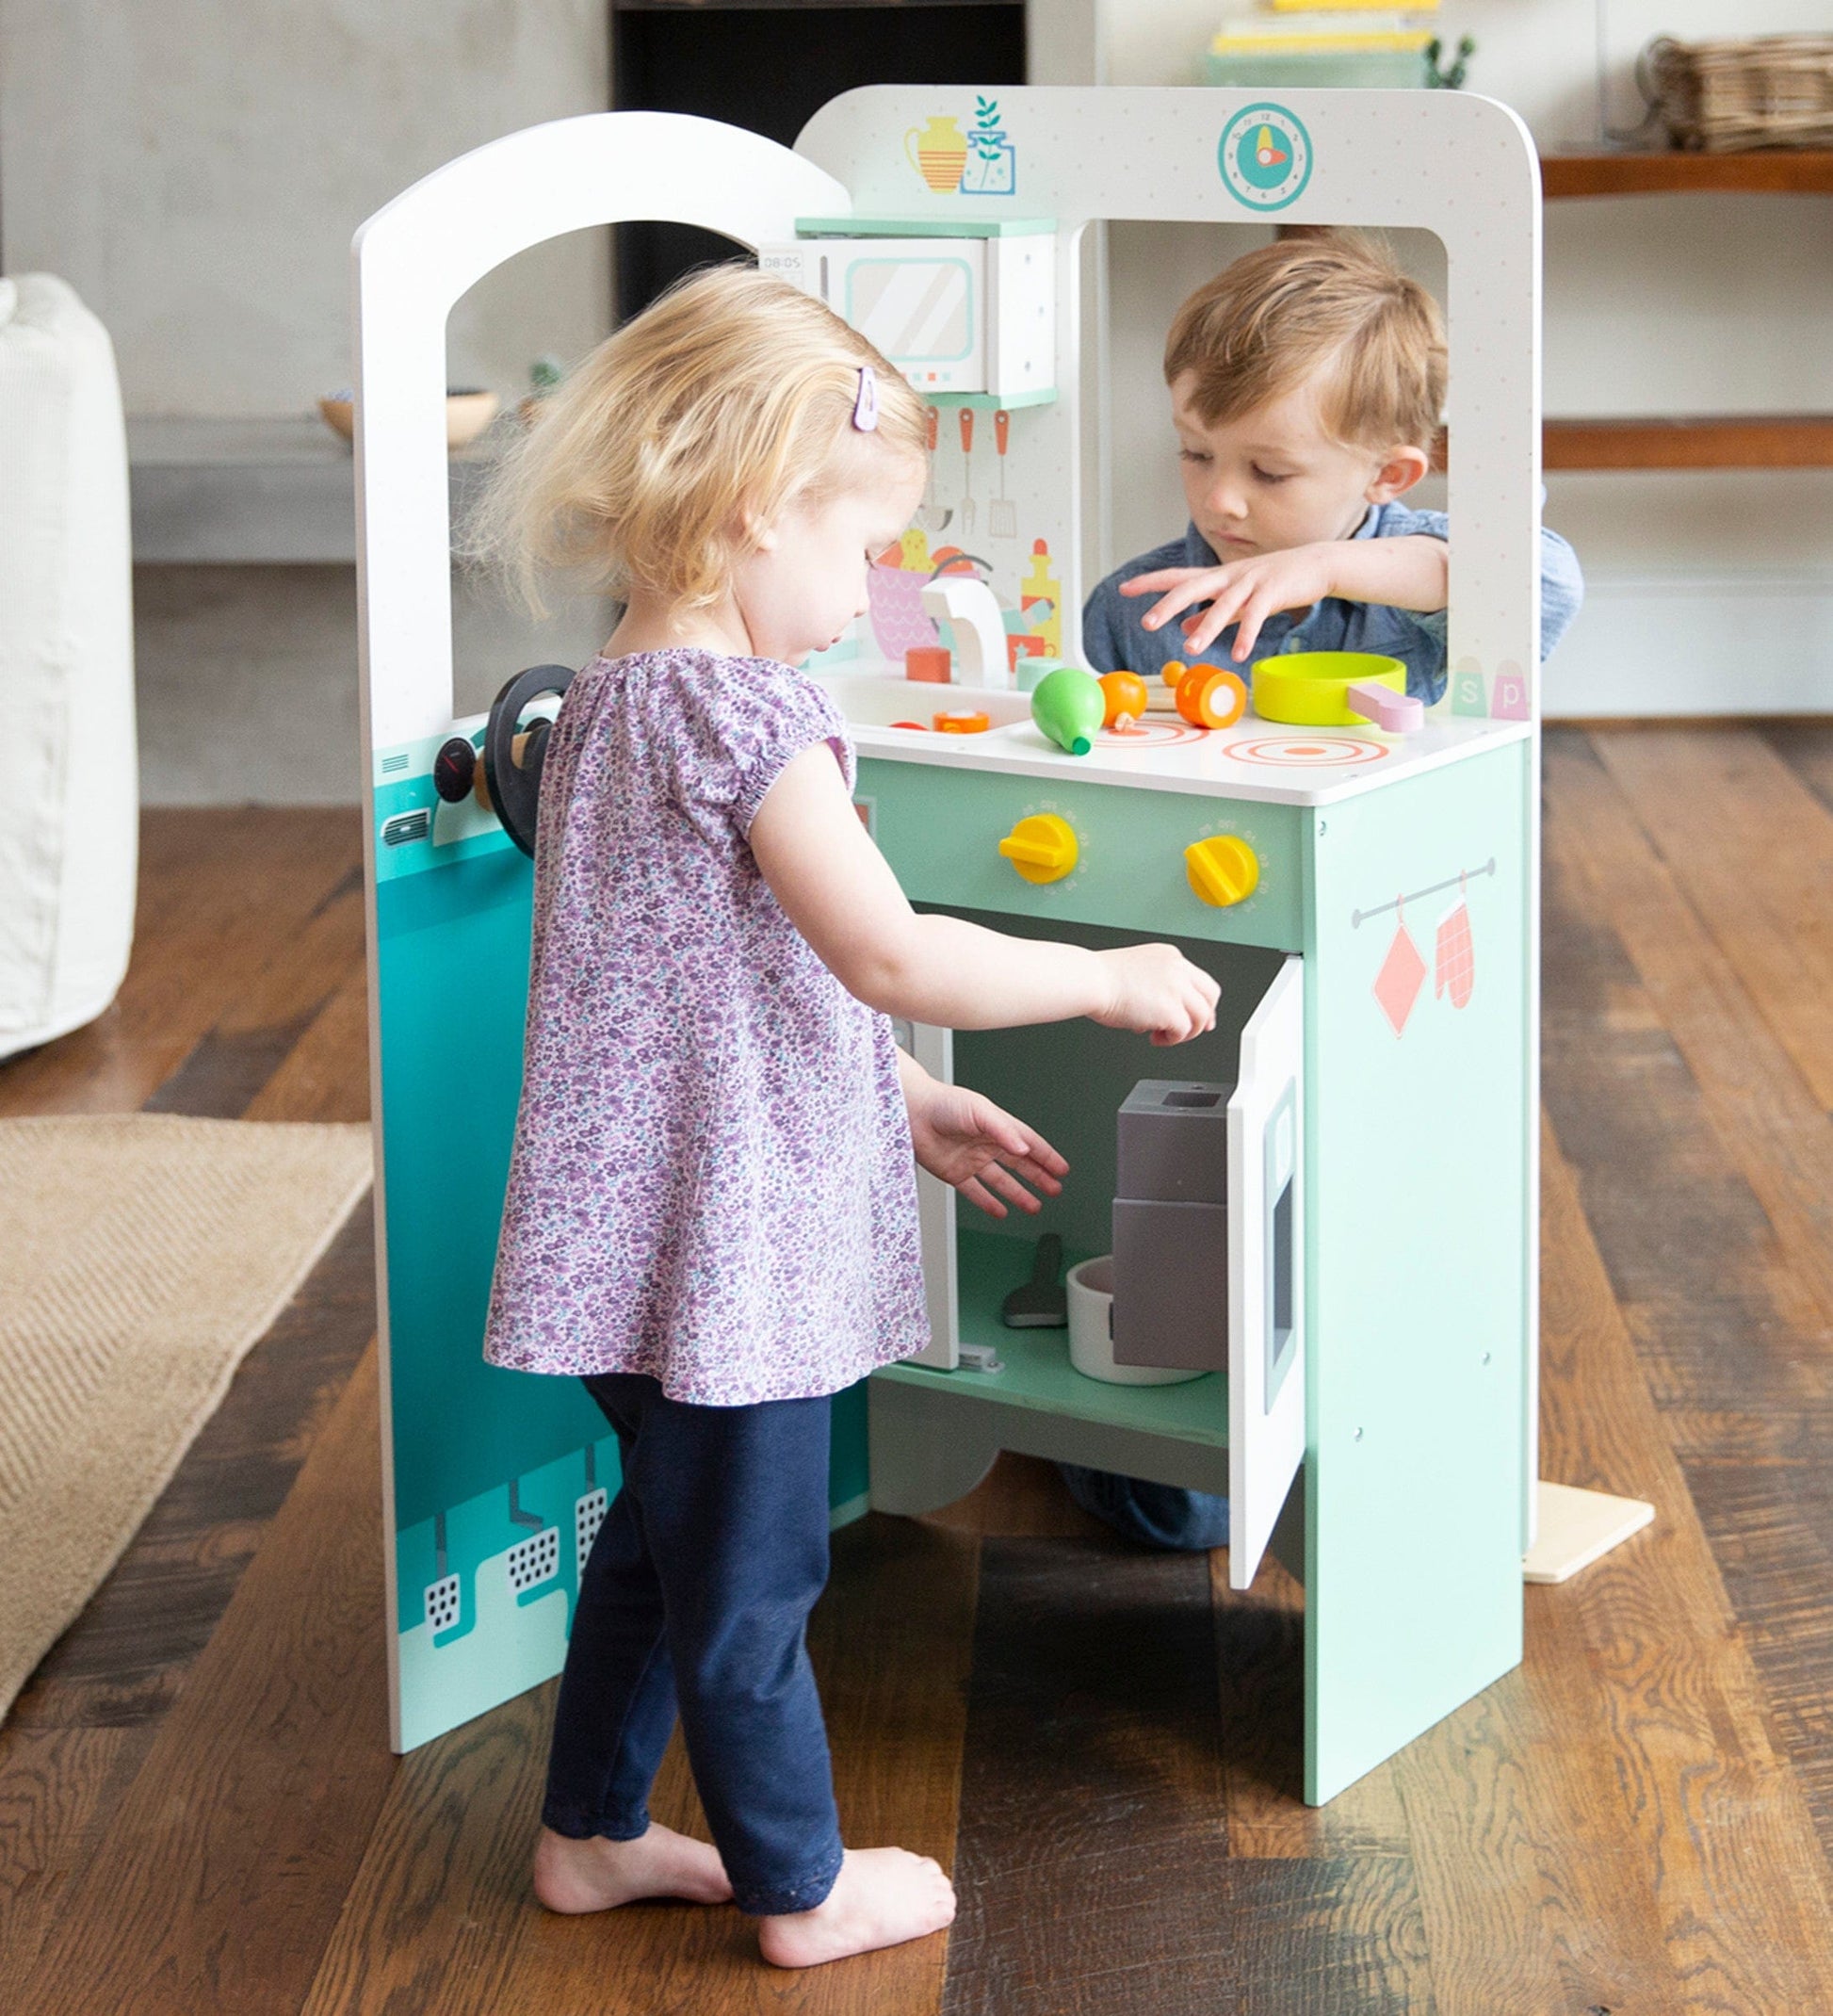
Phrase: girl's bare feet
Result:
[881,1897]
[596,1874]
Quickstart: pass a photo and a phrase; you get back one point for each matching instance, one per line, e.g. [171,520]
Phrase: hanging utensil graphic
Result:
[1002,517]
[968,511]
[932,517]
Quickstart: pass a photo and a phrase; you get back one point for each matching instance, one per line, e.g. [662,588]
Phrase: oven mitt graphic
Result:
[1453,960]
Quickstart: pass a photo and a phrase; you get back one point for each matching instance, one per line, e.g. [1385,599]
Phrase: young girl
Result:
[711,1210]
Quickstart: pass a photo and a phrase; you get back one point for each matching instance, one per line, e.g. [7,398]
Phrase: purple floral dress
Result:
[712,1180]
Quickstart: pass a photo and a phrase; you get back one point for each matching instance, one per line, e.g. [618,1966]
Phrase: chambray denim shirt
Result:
[1115,639]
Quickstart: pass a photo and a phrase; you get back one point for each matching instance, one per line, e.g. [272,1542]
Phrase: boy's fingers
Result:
[1162,611]
[1217,618]
[1146,584]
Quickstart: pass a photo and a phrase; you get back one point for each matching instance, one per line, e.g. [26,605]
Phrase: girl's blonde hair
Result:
[726,399]
[1335,309]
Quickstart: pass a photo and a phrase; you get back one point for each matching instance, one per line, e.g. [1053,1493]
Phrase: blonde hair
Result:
[1334,308]
[728,398]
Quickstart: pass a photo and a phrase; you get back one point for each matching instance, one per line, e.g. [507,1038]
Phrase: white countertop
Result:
[1255,759]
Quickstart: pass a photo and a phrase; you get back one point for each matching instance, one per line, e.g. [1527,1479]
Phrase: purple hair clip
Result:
[865,407]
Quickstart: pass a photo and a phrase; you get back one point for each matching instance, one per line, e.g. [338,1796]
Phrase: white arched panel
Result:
[414,258]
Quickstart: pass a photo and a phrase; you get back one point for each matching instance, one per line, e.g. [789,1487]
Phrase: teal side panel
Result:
[500,1477]
[453,982]
[848,1468]
[1418,1249]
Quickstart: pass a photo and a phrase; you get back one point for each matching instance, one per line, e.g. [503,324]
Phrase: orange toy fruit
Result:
[1124,695]
[1211,696]
[962,720]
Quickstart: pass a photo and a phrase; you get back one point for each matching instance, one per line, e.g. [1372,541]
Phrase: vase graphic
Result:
[939,154]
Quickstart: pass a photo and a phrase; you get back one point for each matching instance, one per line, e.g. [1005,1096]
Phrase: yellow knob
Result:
[1223,870]
[1042,848]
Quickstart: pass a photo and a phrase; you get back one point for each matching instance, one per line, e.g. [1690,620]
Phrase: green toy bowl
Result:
[1306,689]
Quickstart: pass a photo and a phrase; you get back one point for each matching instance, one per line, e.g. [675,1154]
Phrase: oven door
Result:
[1265,1274]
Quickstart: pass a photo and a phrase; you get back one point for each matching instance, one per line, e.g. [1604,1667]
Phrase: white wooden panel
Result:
[1266,1284]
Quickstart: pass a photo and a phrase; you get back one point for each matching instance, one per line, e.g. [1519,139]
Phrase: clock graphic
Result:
[1265,156]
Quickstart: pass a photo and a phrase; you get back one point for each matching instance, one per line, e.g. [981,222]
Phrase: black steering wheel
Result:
[513,759]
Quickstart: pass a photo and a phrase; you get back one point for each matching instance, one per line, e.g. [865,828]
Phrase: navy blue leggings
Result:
[696,1596]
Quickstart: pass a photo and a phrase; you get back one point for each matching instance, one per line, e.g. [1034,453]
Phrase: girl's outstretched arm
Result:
[839,892]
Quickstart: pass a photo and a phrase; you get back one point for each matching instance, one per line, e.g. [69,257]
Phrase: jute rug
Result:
[140,1256]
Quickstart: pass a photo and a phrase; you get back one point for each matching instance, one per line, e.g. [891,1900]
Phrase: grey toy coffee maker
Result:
[1171,1226]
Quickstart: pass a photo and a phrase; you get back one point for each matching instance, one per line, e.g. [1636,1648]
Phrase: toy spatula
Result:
[1042,1303]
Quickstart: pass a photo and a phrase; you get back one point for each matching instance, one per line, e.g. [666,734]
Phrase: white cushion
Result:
[69,783]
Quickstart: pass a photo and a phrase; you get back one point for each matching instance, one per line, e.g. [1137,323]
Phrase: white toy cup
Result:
[1091,1330]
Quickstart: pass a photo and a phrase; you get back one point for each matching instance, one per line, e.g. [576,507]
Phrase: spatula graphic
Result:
[1042,1303]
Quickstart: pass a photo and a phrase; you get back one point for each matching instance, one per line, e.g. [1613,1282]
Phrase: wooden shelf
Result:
[1780,171]
[1739,441]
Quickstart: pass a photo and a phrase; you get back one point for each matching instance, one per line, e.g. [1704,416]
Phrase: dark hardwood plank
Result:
[1722,1328]
[1750,848]
[1092,1775]
[1020,1496]
[224,1867]
[1260,1675]
[222,892]
[326,1074]
[1806,748]
[441,1913]
[56,1788]
[126,1656]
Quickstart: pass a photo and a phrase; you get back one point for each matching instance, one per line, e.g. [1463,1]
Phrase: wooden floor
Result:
[199,1812]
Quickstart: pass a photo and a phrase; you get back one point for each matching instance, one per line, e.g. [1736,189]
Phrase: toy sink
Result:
[1311,689]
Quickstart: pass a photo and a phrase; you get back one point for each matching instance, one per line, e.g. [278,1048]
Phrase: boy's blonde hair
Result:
[727,398]
[1336,309]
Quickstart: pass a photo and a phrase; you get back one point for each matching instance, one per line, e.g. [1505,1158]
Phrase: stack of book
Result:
[1324,42]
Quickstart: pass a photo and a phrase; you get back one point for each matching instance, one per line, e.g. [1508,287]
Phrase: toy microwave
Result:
[955,314]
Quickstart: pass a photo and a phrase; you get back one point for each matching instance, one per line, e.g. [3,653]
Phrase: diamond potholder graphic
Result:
[1402,974]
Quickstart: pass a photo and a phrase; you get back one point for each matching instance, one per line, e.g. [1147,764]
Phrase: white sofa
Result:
[69,779]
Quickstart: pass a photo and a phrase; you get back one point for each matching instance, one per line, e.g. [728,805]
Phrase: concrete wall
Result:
[195,169]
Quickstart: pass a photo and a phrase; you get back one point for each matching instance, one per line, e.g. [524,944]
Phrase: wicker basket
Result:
[1724,97]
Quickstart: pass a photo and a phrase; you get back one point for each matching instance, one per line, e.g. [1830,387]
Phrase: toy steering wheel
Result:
[512,758]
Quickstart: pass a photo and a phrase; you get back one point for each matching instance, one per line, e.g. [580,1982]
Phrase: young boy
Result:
[1306,384]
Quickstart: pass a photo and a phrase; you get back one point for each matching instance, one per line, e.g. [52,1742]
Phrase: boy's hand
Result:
[977,1148]
[1156,992]
[1245,592]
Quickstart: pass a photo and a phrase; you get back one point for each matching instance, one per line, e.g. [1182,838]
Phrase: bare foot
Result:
[881,1897]
[596,1874]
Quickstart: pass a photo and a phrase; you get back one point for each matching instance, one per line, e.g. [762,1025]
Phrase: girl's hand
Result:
[1245,592]
[978,1149]
[1158,993]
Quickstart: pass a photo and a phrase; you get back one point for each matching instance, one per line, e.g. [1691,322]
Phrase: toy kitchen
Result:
[1302,1271]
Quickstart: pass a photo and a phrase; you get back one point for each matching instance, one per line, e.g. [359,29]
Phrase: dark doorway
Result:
[769,68]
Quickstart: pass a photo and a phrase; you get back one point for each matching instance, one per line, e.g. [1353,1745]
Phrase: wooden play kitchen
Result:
[1341,1234]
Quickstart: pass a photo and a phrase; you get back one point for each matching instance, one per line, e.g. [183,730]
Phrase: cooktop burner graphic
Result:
[1150,735]
[1307,751]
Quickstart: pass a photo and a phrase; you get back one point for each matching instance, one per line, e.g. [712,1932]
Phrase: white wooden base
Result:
[1575,1527]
